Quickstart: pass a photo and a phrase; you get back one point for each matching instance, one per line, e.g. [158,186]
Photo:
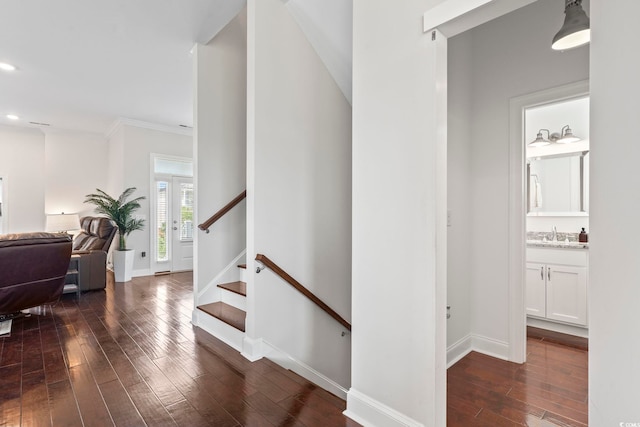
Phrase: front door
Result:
[181,223]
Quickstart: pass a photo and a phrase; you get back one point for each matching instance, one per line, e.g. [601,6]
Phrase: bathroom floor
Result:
[550,389]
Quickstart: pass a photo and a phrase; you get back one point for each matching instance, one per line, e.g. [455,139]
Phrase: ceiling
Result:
[82,64]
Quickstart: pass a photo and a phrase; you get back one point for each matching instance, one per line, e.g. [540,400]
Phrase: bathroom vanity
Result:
[556,285]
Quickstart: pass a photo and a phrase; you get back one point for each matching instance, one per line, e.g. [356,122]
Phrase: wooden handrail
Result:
[216,216]
[306,292]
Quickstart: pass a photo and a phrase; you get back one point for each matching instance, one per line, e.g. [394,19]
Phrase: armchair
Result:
[90,248]
[32,269]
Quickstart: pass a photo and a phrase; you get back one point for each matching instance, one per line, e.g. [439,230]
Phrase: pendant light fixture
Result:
[575,31]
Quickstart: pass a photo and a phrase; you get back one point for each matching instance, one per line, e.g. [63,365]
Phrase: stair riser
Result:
[224,332]
[233,299]
[243,274]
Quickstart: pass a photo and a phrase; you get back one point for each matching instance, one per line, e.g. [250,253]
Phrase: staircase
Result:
[227,316]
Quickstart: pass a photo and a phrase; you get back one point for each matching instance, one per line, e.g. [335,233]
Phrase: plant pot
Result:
[123,264]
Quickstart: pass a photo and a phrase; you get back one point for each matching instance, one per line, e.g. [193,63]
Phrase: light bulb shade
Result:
[567,136]
[575,30]
[62,222]
[539,141]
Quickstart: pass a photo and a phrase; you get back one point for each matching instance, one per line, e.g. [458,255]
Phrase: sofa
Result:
[89,257]
[32,269]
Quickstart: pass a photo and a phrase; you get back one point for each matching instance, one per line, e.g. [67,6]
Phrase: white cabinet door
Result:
[567,294]
[535,300]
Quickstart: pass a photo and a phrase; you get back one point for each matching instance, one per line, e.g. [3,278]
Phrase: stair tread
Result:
[228,314]
[242,266]
[239,288]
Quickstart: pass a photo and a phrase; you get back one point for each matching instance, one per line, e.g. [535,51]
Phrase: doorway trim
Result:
[154,266]
[517,206]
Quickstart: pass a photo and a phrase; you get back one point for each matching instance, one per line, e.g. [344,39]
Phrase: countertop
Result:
[559,244]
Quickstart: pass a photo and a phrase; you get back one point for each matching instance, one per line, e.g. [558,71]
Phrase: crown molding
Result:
[122,121]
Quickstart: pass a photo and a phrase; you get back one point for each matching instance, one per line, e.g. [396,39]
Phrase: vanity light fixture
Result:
[12,117]
[565,136]
[575,31]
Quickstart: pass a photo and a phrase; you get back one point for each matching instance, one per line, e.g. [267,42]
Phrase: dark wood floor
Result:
[128,356]
[550,389]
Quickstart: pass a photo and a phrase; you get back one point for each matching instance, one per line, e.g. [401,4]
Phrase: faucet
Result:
[554,234]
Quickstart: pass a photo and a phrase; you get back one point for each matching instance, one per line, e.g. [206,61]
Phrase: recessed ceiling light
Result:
[7,67]
[12,117]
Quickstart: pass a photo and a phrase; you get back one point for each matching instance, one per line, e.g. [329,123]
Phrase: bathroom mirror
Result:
[557,185]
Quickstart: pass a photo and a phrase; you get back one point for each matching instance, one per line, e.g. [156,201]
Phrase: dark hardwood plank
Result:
[186,415]
[93,410]
[195,394]
[54,367]
[557,337]
[121,408]
[35,401]
[32,351]
[100,366]
[12,347]
[64,410]
[274,413]
[151,409]
[157,381]
[10,394]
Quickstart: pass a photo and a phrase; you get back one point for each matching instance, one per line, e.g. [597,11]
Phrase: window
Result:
[186,211]
[161,221]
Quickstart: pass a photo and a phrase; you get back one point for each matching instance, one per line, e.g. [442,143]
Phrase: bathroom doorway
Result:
[555,137]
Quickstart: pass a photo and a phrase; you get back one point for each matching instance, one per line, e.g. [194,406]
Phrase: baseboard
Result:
[273,353]
[369,412]
[490,346]
[252,349]
[458,350]
[141,273]
[225,333]
[558,327]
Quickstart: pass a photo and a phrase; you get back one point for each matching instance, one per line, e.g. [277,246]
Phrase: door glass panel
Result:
[161,221]
[186,211]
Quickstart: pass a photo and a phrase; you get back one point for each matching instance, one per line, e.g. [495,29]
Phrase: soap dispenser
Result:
[583,237]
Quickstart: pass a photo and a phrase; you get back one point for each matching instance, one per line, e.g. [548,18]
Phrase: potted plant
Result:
[120,211]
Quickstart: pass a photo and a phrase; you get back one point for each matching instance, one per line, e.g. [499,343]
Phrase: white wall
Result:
[75,164]
[614,293]
[129,154]
[299,136]
[115,175]
[510,56]
[22,165]
[460,232]
[399,218]
[220,147]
